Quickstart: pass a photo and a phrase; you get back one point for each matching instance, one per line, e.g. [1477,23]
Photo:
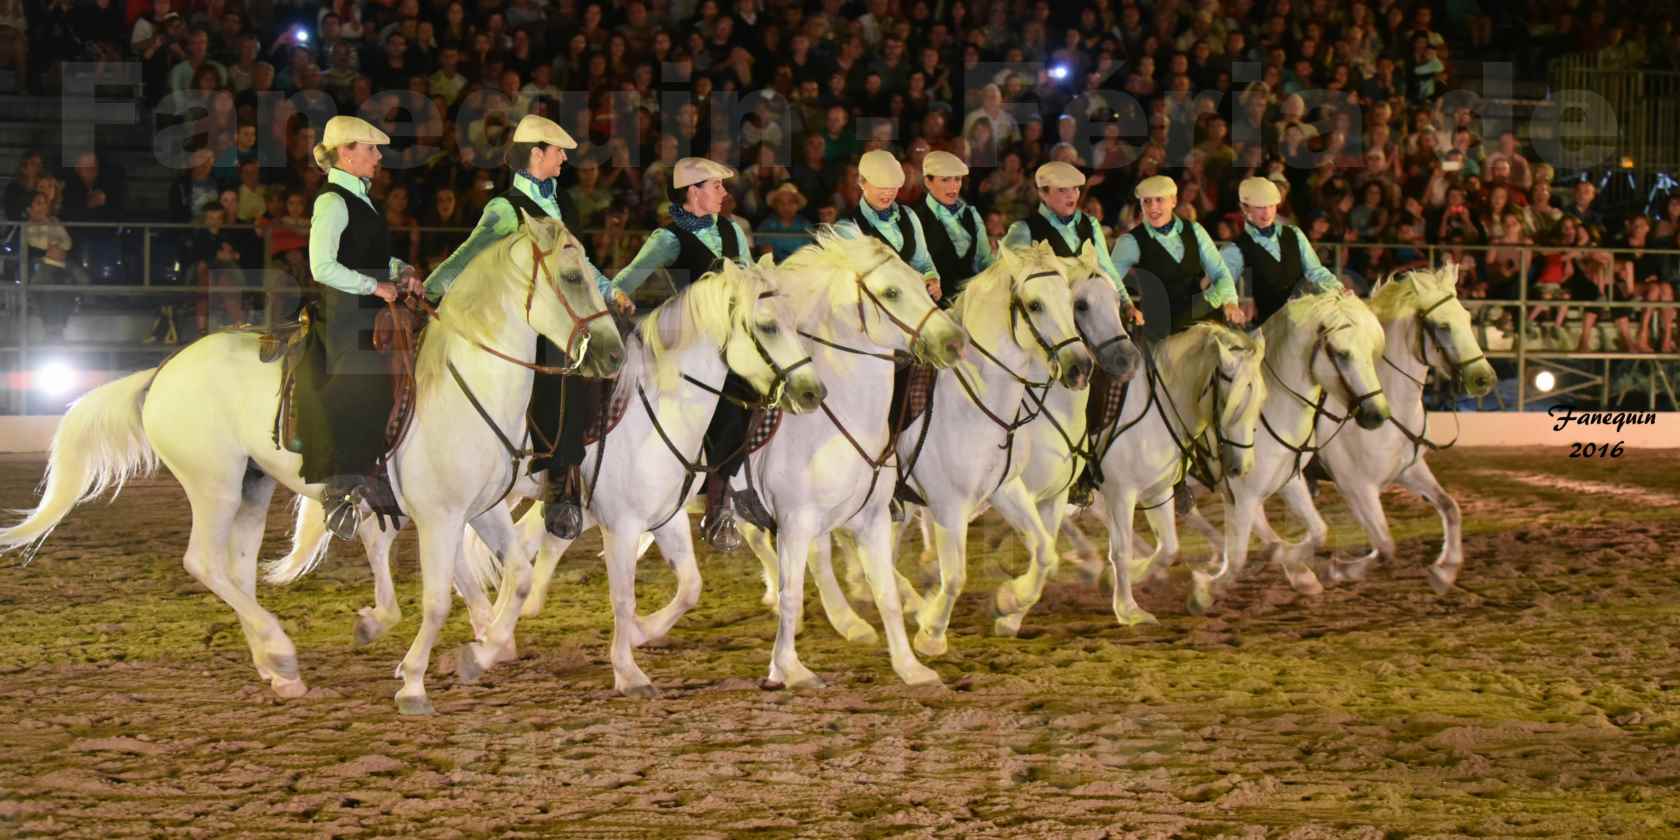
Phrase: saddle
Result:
[912,394]
[612,411]
[1102,410]
[761,427]
[395,335]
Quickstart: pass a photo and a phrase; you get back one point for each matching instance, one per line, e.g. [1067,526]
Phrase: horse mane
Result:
[1394,294]
[486,295]
[810,274]
[1186,353]
[982,307]
[705,310]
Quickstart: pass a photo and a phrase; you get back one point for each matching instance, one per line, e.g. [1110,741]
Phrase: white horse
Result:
[208,414]
[1319,348]
[963,452]
[640,478]
[1426,329]
[835,470]
[1205,378]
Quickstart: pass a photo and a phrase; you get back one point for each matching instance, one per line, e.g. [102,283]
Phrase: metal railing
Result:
[152,254]
[1646,104]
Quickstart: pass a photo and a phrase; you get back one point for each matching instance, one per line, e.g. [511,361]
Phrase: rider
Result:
[561,405]
[955,233]
[1157,248]
[1279,257]
[1060,222]
[1282,261]
[344,426]
[879,215]
[694,243]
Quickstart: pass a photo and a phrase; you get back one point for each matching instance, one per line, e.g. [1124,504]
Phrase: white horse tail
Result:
[309,544]
[482,563]
[99,445]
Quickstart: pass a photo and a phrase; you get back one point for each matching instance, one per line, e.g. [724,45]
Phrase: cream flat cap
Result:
[881,169]
[692,170]
[344,130]
[536,129]
[1258,192]
[1058,174]
[1156,186]
[943,165]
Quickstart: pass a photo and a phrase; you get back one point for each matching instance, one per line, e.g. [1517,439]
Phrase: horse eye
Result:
[573,278]
[769,329]
[891,293]
[1035,307]
[1081,306]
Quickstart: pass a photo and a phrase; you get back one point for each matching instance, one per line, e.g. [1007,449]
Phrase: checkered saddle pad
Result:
[612,411]
[761,427]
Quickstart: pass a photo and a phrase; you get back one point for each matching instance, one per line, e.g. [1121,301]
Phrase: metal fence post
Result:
[1522,325]
[23,319]
[145,255]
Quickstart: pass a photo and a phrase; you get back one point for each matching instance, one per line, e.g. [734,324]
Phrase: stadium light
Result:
[1545,381]
[56,378]
[1059,72]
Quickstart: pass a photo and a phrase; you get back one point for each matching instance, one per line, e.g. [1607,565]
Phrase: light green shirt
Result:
[1318,277]
[498,222]
[1020,236]
[326,226]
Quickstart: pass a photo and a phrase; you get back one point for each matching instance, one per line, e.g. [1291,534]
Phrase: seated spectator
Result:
[614,247]
[195,188]
[1644,278]
[214,259]
[47,248]
[1555,265]
[785,222]
[20,191]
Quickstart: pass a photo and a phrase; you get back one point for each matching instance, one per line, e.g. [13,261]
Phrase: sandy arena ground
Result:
[1539,699]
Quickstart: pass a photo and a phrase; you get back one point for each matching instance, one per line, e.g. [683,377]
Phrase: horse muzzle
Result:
[1076,366]
[1120,360]
[1479,379]
[804,394]
[1372,413]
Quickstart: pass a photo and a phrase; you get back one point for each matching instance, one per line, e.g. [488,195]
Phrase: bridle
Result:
[1425,333]
[580,323]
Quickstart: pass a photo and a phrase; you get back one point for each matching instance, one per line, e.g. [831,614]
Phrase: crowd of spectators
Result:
[1341,103]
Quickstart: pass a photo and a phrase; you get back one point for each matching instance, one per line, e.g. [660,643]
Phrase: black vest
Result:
[1043,231]
[523,204]
[905,230]
[365,245]
[1181,278]
[955,268]
[1272,280]
[696,259]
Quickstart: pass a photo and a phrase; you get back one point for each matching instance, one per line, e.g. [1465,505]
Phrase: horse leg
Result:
[1420,480]
[222,521]
[628,678]
[764,548]
[793,547]
[495,644]
[549,551]
[1300,502]
[1163,521]
[372,622]
[934,617]
[676,543]
[276,659]
[1018,595]
[1085,554]
[1239,525]
[857,586]
[1365,503]
[874,544]
[1121,505]
[440,541]
[836,606]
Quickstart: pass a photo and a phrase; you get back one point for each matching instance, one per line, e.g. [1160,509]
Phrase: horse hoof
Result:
[861,633]
[1442,578]
[807,681]
[1134,616]
[1006,626]
[1200,600]
[368,630]
[414,705]
[467,667]
[919,674]
[288,689]
[1304,582]
[644,691]
[927,645]
[532,608]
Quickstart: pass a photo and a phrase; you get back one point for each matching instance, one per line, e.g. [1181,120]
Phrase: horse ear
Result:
[1088,256]
[1010,260]
[766,260]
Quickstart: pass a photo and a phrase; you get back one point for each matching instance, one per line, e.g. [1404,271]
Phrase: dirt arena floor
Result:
[1542,698]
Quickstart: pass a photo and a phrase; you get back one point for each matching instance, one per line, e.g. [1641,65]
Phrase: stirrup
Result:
[563,509]
[1183,499]
[343,515]
[751,508]
[717,527]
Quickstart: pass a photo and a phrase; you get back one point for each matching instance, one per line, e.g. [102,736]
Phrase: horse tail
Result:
[309,544]
[100,444]
[482,563]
